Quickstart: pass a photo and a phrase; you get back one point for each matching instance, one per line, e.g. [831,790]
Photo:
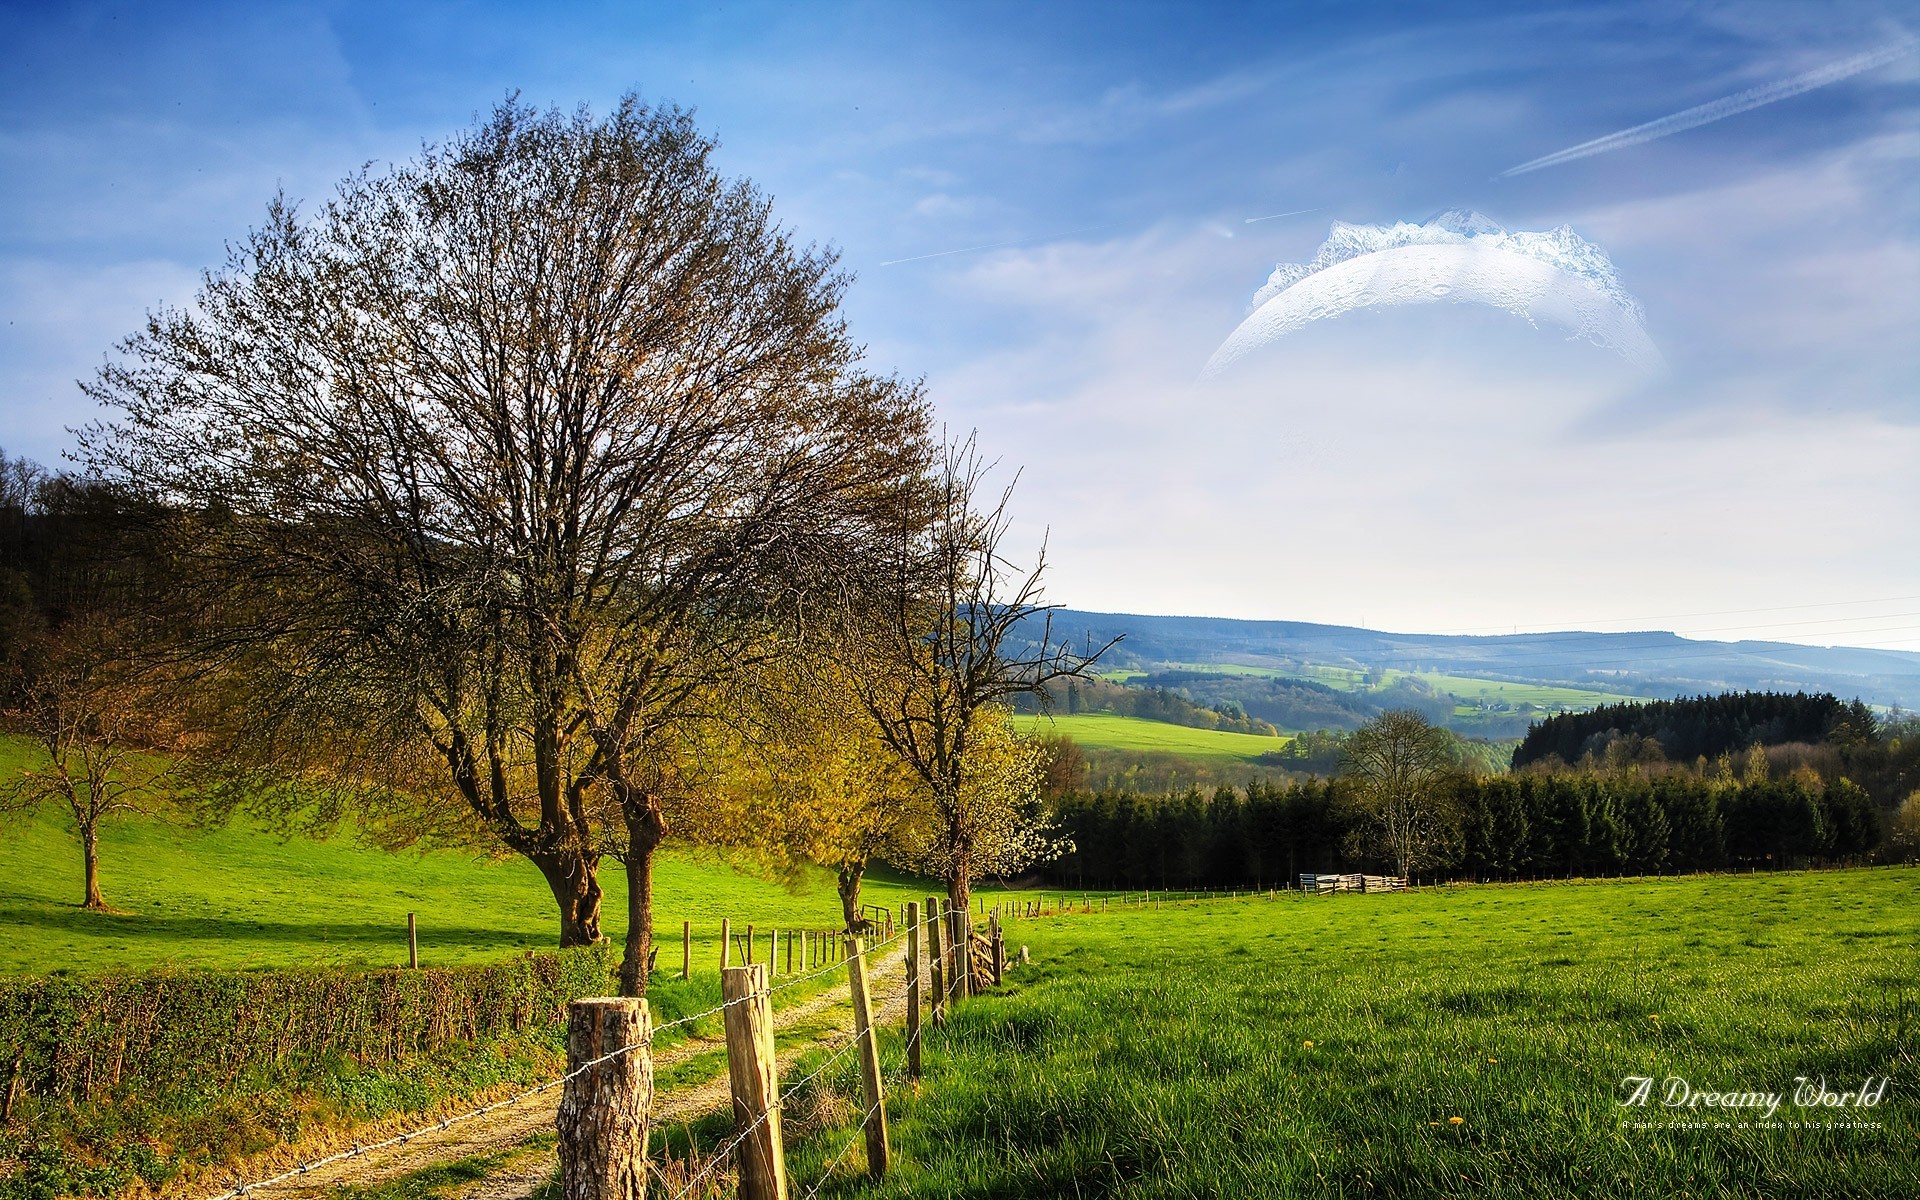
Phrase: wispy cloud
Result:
[1726,106]
[1276,216]
[894,262]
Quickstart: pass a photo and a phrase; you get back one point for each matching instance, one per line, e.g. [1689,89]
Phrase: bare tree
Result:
[1398,766]
[960,630]
[498,462]
[101,732]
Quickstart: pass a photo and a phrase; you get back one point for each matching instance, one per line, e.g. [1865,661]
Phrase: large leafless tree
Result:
[960,630]
[499,461]
[1398,768]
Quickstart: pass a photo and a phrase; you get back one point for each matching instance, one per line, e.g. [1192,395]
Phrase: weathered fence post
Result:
[749,945]
[602,1120]
[999,947]
[937,1002]
[726,941]
[960,935]
[913,989]
[876,1118]
[686,949]
[756,1082]
[413,943]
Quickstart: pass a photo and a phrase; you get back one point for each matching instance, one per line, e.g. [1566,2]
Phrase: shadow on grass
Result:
[385,935]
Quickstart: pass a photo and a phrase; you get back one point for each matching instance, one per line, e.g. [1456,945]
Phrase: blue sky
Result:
[1449,468]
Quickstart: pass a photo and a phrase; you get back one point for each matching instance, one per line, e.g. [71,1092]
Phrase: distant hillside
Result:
[1649,664]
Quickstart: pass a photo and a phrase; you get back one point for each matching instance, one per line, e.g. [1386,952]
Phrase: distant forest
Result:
[1513,826]
[1700,726]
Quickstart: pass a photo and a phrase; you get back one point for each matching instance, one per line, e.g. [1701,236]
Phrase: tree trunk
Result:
[645,831]
[90,850]
[849,884]
[570,875]
[960,881]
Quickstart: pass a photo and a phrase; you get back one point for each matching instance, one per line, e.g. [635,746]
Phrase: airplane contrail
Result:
[1726,106]
[1000,245]
[1276,216]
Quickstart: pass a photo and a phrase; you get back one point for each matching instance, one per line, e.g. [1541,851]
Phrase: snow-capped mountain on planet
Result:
[1560,247]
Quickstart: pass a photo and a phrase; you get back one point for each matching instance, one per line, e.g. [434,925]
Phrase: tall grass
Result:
[1467,1042]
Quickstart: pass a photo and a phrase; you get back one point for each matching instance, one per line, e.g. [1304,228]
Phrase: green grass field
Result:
[1466,687]
[1442,1043]
[236,896]
[1105,731]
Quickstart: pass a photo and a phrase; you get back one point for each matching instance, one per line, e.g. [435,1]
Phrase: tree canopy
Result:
[494,465]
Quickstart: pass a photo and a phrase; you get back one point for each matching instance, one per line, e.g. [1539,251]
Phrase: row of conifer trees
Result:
[1509,826]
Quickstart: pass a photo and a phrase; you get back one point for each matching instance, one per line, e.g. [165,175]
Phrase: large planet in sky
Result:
[1552,278]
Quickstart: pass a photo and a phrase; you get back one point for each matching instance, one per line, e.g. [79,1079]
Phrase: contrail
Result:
[1276,216]
[1727,106]
[1001,245]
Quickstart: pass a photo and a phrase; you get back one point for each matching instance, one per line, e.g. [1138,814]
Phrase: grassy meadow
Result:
[240,897]
[1470,1041]
[1106,731]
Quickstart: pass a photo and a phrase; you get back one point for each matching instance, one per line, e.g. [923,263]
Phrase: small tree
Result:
[97,724]
[1397,767]
[958,630]
[1903,830]
[1002,778]
[807,779]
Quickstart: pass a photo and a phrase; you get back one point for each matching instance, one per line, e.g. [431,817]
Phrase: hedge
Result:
[89,1038]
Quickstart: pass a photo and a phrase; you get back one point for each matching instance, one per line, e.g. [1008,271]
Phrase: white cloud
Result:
[1425,470]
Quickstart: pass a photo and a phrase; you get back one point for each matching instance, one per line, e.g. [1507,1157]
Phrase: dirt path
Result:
[504,1131]
[518,1178]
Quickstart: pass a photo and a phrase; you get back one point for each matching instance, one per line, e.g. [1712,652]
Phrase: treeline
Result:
[1689,728]
[1564,824]
[68,546]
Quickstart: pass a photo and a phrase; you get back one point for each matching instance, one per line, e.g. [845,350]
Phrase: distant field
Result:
[1455,1042]
[1538,694]
[240,897]
[1465,687]
[1109,732]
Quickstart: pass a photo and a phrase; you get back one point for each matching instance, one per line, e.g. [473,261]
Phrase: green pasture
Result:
[240,897]
[1470,689]
[1496,691]
[1460,1042]
[1110,732]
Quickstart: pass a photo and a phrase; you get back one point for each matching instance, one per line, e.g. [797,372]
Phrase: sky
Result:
[1052,214]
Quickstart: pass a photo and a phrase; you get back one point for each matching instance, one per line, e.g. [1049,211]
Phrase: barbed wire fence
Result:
[853,1042]
[922,968]
[447,1122]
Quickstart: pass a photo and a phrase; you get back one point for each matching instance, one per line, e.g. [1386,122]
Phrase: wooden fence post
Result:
[413,944]
[960,982]
[999,947]
[749,945]
[726,942]
[937,1002]
[876,1109]
[686,949]
[756,1082]
[789,951]
[773,952]
[602,1120]
[913,989]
